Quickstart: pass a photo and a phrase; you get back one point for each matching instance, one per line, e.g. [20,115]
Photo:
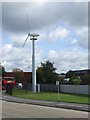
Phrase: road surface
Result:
[18,110]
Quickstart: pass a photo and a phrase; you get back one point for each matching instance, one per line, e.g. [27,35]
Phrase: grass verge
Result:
[49,96]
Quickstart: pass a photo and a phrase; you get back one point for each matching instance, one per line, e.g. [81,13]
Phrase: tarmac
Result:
[73,106]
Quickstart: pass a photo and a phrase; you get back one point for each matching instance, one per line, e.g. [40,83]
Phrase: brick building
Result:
[27,76]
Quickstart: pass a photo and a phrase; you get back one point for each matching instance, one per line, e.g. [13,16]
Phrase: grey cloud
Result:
[83,34]
[16,57]
[69,60]
[64,60]
[14,15]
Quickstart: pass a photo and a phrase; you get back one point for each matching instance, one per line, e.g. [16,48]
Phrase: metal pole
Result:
[33,62]
[58,94]
[33,67]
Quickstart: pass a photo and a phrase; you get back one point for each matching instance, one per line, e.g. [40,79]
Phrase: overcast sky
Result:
[63,30]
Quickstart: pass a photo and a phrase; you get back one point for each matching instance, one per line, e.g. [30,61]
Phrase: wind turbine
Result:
[33,37]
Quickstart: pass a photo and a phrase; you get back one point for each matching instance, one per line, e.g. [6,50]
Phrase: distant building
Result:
[81,73]
[9,74]
[27,75]
[62,75]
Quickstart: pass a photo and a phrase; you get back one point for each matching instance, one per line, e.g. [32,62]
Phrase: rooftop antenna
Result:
[33,37]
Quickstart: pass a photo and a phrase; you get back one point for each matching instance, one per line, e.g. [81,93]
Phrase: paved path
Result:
[73,106]
[19,110]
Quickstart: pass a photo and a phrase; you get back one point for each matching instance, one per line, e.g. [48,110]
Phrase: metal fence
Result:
[77,89]
[48,87]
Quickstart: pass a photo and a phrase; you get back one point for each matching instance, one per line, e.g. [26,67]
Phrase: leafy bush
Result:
[76,81]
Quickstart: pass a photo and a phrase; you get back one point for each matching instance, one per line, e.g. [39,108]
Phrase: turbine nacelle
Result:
[34,35]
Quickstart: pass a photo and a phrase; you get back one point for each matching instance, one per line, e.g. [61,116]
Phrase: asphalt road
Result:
[18,110]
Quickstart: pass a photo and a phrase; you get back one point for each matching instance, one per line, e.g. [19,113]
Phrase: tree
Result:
[70,74]
[76,81]
[39,74]
[73,78]
[86,79]
[18,73]
[46,73]
[62,77]
[61,80]
[2,71]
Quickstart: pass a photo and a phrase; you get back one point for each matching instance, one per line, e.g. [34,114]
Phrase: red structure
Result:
[27,75]
[8,81]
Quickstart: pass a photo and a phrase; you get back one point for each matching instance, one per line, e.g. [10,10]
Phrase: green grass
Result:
[49,96]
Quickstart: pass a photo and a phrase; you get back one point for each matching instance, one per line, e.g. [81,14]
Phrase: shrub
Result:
[76,81]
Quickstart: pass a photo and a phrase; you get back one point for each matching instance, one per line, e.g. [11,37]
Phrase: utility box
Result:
[38,87]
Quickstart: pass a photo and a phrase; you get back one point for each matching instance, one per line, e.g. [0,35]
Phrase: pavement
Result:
[73,106]
[20,110]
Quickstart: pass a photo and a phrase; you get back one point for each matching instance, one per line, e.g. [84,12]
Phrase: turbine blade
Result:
[25,42]
[28,24]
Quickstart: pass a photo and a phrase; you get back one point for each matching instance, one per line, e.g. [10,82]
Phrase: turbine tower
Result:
[33,37]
